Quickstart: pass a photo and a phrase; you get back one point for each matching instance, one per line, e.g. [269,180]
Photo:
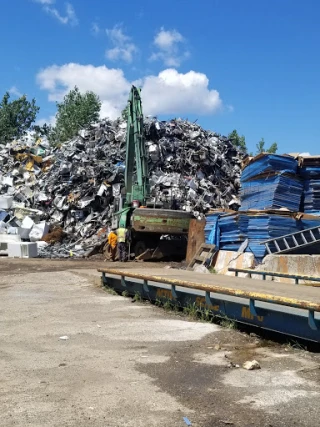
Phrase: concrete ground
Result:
[72,354]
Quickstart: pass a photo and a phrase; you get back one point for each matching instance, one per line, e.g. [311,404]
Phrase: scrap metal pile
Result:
[198,168]
[69,189]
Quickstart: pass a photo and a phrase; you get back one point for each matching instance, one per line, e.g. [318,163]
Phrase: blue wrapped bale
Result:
[231,236]
[264,163]
[311,177]
[272,191]
[270,181]
[212,229]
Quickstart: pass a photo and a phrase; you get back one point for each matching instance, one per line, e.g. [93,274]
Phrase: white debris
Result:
[201,269]
[39,231]
[251,365]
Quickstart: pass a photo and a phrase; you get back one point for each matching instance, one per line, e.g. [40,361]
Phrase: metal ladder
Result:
[203,256]
[290,242]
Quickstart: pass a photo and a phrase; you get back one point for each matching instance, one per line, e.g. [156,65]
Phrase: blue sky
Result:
[250,65]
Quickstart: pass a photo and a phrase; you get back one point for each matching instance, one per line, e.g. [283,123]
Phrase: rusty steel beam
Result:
[220,289]
[162,221]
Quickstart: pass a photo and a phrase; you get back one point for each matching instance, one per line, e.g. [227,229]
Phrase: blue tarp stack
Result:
[231,235]
[309,221]
[270,181]
[229,231]
[257,232]
[267,226]
[310,172]
[212,229]
[272,192]
[269,163]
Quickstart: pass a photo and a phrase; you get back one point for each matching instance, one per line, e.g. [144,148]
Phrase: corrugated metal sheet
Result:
[229,231]
[272,191]
[269,182]
[212,230]
[311,176]
[269,163]
[231,236]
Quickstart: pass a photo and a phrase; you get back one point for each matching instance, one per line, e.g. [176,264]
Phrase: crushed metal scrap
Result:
[71,188]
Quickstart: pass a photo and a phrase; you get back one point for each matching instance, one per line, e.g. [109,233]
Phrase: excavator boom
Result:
[136,157]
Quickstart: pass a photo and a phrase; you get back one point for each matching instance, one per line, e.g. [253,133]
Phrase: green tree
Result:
[237,140]
[16,117]
[261,147]
[273,148]
[75,112]
[124,113]
[44,130]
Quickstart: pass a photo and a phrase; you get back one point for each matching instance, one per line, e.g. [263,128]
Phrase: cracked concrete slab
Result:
[127,364]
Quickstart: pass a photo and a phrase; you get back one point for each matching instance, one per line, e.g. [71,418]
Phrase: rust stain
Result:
[195,238]
[282,265]
[283,268]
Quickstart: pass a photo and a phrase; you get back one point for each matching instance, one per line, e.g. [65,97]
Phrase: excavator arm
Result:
[136,172]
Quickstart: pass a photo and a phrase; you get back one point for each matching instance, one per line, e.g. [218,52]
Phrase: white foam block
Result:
[22,250]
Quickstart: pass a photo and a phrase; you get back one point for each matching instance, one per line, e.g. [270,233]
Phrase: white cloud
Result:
[15,91]
[109,83]
[169,45]
[51,120]
[69,17]
[170,60]
[117,35]
[44,1]
[126,54]
[170,92]
[95,29]
[123,48]
[166,40]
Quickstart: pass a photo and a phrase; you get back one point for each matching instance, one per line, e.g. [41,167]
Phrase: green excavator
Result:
[155,232]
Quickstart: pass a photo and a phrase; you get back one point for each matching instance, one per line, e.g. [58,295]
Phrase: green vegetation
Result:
[137,297]
[261,147]
[191,310]
[124,114]
[110,291]
[16,117]
[74,113]
[240,142]
[237,140]
[227,323]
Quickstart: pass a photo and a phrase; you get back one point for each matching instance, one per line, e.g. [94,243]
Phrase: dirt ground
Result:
[72,354]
